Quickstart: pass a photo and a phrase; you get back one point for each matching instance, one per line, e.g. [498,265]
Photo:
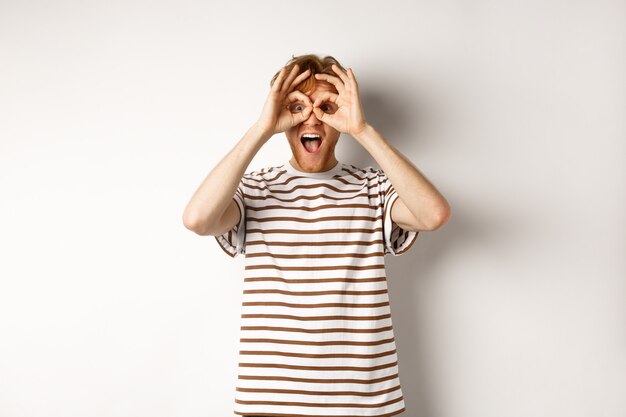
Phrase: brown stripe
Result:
[410,244]
[347,292]
[319,355]
[276,172]
[281,170]
[316,268]
[252,198]
[292,231]
[283,173]
[319,380]
[339,179]
[318,368]
[294,305]
[324,184]
[231,254]
[316,220]
[315,318]
[314,280]
[266,414]
[316,255]
[313,331]
[317,208]
[302,404]
[322,343]
[327,243]
[303,392]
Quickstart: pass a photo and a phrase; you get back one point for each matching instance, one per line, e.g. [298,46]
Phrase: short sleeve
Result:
[397,240]
[233,240]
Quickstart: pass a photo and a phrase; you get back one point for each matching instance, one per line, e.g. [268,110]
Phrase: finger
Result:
[341,73]
[279,79]
[321,103]
[326,96]
[333,80]
[352,77]
[292,75]
[303,115]
[300,78]
[299,117]
[299,95]
[327,102]
[354,90]
[324,117]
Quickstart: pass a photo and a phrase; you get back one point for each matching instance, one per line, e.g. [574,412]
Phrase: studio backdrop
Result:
[112,113]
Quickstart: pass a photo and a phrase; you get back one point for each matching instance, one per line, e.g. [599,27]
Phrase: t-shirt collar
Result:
[324,174]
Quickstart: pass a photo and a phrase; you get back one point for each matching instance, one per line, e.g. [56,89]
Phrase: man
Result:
[316,336]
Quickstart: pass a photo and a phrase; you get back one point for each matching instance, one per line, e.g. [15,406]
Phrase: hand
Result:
[349,117]
[276,116]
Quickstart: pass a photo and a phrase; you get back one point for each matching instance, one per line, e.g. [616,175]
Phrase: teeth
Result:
[310,136]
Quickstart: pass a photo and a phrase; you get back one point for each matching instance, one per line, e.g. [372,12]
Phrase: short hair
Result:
[317,65]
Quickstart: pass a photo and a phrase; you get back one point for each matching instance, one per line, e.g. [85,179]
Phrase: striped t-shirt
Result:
[316,330]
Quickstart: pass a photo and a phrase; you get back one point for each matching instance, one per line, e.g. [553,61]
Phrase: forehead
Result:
[320,87]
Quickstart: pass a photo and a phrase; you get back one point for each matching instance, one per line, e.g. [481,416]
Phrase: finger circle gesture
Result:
[349,117]
[276,116]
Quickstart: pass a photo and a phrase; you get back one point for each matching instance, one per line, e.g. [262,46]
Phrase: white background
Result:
[113,112]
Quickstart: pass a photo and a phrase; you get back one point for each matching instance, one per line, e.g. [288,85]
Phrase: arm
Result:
[211,210]
[420,206]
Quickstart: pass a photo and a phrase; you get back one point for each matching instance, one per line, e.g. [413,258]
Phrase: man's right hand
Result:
[277,116]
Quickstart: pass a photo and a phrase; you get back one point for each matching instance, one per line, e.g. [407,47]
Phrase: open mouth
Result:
[312,142]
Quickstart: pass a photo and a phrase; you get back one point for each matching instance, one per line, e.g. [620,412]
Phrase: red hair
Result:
[317,65]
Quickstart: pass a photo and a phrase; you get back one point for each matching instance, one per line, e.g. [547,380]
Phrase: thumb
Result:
[304,114]
[320,114]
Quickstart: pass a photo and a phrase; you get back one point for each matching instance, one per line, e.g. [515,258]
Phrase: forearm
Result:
[421,198]
[215,193]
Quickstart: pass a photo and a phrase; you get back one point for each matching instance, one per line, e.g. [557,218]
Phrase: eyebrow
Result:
[325,101]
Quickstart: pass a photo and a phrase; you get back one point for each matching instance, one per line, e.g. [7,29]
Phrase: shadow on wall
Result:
[410,121]
[403,117]
[403,122]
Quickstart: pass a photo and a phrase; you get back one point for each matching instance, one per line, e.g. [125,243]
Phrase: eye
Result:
[328,108]
[296,107]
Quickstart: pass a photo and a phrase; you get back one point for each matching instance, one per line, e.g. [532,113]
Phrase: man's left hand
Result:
[349,117]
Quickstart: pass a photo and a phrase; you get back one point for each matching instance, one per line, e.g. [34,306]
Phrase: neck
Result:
[324,166]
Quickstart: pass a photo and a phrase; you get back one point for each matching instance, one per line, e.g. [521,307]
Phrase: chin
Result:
[308,160]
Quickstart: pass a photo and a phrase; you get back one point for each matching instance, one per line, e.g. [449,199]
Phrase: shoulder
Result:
[268,173]
[370,174]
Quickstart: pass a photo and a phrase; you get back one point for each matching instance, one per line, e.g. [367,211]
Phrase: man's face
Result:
[320,154]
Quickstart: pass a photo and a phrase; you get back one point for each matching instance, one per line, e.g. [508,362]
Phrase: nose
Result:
[312,120]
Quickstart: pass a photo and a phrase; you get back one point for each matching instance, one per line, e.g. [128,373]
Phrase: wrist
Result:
[365,131]
[261,131]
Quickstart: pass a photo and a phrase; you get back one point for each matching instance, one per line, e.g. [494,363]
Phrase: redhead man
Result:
[316,335]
